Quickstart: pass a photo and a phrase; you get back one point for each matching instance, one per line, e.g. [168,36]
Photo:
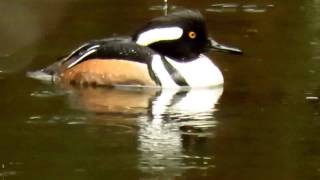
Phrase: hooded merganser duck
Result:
[167,52]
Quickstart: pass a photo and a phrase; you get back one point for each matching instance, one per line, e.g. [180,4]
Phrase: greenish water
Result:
[263,124]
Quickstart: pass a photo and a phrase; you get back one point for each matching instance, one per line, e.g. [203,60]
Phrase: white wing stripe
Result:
[81,58]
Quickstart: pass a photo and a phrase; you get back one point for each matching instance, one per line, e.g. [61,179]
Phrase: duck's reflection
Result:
[111,100]
[171,123]
[178,121]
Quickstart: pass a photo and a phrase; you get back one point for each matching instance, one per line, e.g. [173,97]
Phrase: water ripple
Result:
[235,7]
[57,119]
[43,94]
[8,169]
[161,8]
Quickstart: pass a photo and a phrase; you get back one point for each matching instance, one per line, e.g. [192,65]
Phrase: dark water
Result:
[263,124]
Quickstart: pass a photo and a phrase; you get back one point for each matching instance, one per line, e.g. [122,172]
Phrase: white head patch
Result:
[159,34]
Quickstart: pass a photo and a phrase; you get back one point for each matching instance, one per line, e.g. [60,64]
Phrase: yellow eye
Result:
[192,35]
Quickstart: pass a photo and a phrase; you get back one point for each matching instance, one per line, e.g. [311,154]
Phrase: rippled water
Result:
[235,7]
[262,124]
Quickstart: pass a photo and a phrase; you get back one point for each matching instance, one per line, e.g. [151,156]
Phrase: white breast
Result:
[200,72]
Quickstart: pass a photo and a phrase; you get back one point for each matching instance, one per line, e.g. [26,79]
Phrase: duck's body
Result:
[104,63]
[167,52]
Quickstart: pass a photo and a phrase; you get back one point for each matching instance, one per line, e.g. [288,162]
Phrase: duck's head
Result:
[181,35]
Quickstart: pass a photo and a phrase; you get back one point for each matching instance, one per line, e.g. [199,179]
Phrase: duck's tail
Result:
[41,75]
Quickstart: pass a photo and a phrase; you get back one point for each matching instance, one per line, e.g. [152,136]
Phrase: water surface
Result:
[263,124]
